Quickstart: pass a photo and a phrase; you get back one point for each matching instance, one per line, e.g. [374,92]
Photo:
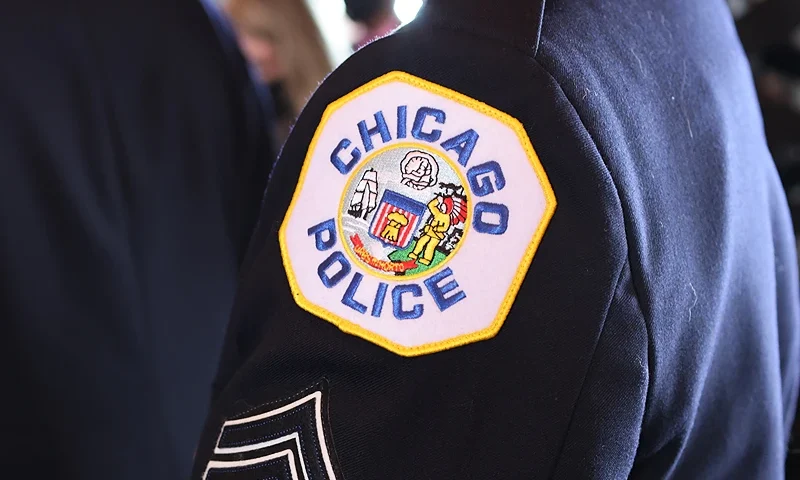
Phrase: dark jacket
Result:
[655,334]
[133,161]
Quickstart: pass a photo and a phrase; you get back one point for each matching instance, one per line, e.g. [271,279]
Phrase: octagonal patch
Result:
[416,216]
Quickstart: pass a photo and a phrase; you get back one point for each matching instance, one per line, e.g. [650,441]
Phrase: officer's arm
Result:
[518,353]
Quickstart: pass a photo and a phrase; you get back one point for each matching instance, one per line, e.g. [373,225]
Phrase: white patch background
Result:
[484,266]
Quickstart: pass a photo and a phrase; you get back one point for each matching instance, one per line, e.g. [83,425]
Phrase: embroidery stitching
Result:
[402,261]
[302,414]
[397,225]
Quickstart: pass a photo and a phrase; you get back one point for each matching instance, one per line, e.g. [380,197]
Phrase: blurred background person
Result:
[283,44]
[134,153]
[374,18]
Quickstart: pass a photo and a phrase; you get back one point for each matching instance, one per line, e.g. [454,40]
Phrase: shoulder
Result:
[505,309]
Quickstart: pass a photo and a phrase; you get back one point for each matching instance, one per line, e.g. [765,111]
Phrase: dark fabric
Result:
[712,251]
[283,107]
[512,22]
[366,10]
[133,161]
[656,333]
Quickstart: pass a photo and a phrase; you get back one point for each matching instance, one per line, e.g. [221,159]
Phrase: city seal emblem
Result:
[420,218]
[417,214]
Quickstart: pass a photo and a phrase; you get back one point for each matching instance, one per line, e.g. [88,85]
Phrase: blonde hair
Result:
[288,24]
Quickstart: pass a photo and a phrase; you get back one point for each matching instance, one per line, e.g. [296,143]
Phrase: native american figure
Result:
[446,211]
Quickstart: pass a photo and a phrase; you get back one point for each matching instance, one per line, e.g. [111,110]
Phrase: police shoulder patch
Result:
[417,214]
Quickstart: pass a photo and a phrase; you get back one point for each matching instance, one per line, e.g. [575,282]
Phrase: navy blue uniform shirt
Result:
[132,164]
[520,239]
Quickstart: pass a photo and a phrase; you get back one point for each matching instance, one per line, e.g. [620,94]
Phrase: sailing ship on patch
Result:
[362,202]
[419,220]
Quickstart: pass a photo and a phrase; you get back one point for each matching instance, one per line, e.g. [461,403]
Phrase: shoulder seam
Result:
[635,280]
[485,35]
[539,33]
[582,388]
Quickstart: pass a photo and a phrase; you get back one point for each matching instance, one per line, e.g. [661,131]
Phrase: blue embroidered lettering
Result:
[401,121]
[413,243]
[355,156]
[367,134]
[397,302]
[380,295]
[348,299]
[322,270]
[463,144]
[439,292]
[482,185]
[317,230]
[496,209]
[419,121]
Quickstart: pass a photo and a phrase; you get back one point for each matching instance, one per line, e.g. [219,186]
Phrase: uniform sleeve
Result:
[711,250]
[515,350]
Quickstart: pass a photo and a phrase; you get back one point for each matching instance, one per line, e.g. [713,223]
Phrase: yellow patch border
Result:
[340,231]
[359,331]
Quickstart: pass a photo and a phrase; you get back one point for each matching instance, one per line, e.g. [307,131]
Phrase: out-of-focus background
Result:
[770,33]
[293,44]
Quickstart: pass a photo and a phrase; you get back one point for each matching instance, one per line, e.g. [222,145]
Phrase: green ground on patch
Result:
[402,256]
